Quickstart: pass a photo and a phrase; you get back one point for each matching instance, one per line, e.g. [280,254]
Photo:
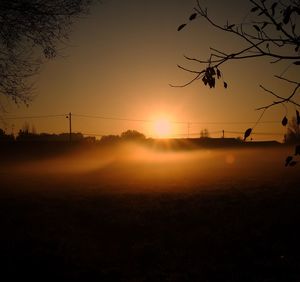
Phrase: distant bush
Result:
[133,135]
[6,137]
[109,139]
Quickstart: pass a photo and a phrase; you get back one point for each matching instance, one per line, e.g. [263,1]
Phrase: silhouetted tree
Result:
[110,139]
[25,128]
[4,137]
[271,31]
[30,30]
[25,134]
[204,133]
[132,135]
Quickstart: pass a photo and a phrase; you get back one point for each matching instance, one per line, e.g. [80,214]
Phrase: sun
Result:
[162,128]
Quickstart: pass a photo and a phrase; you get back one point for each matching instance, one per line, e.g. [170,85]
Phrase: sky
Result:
[119,63]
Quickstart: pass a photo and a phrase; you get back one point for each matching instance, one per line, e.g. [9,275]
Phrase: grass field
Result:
[134,214]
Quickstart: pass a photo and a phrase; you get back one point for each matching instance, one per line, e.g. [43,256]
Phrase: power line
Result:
[198,133]
[255,133]
[233,122]
[232,132]
[179,122]
[32,117]
[188,123]
[139,120]
[112,118]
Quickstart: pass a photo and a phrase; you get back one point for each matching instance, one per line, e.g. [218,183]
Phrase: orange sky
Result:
[121,60]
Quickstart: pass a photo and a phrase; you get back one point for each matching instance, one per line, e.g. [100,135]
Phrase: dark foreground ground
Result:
[130,221]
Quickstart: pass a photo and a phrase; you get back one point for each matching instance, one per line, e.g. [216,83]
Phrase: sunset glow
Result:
[150,140]
[162,128]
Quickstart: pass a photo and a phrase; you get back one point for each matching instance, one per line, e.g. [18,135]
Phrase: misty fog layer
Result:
[132,169]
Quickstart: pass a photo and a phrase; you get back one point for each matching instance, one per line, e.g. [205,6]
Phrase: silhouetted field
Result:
[136,214]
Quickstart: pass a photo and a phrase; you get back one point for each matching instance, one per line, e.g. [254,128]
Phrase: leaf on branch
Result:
[210,71]
[256,27]
[284,121]
[247,133]
[225,85]
[181,27]
[209,77]
[193,16]
[297,63]
[298,117]
[254,9]
[213,83]
[287,14]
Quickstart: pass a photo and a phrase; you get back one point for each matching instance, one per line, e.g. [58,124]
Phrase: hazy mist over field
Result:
[136,168]
[120,212]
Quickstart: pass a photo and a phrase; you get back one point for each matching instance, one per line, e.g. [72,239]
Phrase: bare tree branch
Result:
[270,33]
[30,32]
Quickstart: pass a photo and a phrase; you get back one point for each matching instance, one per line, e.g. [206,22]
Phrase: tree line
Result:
[30,135]
[26,134]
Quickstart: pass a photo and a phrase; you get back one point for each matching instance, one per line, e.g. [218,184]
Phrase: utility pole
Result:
[223,133]
[69,116]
